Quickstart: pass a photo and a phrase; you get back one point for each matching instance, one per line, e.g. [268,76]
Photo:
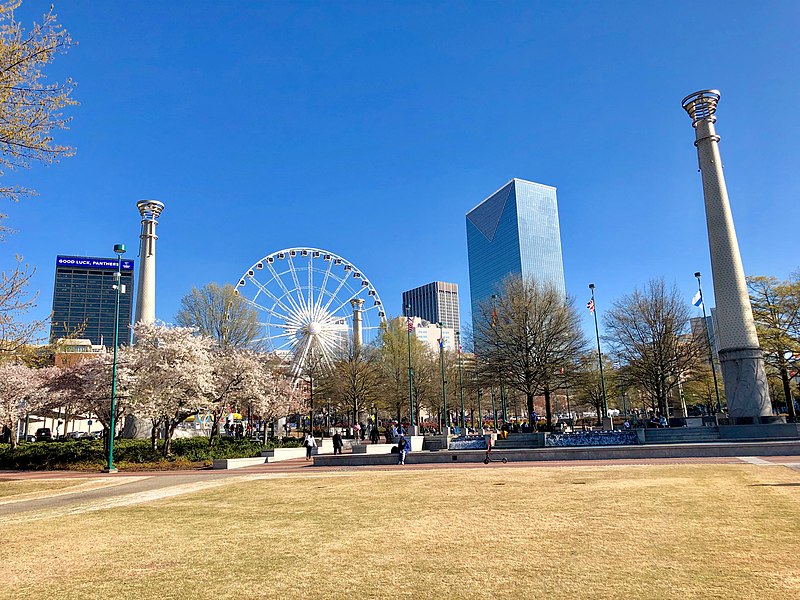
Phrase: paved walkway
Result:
[103,491]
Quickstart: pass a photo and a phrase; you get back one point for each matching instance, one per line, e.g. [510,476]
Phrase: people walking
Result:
[309,443]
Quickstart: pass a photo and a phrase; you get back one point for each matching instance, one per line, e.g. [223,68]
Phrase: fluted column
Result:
[358,337]
[146,289]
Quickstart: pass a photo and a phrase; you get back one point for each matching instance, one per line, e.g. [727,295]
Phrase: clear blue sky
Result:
[370,128]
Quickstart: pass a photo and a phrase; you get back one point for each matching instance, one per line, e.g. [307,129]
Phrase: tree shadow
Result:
[775,485]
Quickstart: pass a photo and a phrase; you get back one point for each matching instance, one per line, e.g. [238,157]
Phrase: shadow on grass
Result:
[775,485]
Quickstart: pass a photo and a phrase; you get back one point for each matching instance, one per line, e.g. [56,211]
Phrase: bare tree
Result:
[648,332]
[30,105]
[354,381]
[524,336]
[15,301]
[221,314]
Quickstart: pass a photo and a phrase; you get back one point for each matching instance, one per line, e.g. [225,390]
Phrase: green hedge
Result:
[65,455]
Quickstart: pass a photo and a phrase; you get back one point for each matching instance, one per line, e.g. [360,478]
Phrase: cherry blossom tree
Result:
[173,374]
[92,381]
[20,388]
[276,396]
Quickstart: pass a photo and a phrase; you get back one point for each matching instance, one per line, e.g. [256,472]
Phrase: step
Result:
[237,463]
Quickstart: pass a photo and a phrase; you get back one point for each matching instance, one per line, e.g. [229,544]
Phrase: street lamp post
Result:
[599,353]
[110,468]
[494,410]
[708,337]
[410,374]
[446,428]
[461,384]
[480,410]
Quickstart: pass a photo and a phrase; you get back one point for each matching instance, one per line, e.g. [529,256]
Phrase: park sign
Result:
[87,262]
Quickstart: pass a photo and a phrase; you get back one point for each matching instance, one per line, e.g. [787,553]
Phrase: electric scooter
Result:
[489,459]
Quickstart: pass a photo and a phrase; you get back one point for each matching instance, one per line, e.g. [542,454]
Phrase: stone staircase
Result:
[678,435]
[517,441]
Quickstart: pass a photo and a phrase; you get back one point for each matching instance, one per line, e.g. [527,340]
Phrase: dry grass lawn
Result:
[684,531]
[16,489]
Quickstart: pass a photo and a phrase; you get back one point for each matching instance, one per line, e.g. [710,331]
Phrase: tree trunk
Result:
[529,401]
[787,392]
[154,435]
[170,429]
[547,409]
[216,419]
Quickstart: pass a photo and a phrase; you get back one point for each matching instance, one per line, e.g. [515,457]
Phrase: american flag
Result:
[410,324]
[590,306]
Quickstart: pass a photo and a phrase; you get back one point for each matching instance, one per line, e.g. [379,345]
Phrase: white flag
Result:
[698,298]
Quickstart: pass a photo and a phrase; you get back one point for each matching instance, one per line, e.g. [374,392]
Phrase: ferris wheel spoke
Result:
[324,286]
[297,287]
[282,346]
[333,296]
[343,304]
[290,318]
[272,296]
[288,334]
[311,282]
[286,293]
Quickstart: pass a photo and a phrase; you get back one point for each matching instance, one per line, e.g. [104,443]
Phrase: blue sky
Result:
[370,129]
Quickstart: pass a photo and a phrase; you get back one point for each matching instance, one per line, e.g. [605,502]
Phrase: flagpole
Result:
[446,427]
[708,336]
[599,353]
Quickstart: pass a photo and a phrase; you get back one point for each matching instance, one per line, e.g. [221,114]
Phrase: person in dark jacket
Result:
[338,443]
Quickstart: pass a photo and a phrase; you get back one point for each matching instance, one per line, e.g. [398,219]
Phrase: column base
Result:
[746,388]
[111,470]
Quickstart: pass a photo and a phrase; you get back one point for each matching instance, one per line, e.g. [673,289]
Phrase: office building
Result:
[435,302]
[515,231]
[84,298]
[429,334]
[703,328]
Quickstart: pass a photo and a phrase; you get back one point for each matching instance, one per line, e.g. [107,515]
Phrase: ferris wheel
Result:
[313,304]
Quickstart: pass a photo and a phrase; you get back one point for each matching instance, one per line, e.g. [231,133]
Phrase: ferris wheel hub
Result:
[314,328]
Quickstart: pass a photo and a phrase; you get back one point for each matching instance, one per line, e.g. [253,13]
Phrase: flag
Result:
[494,317]
[698,298]
[410,324]
[590,305]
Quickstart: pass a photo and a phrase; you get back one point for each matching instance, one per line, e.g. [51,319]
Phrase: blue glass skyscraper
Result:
[514,231]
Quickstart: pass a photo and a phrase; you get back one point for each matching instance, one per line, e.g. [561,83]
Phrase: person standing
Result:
[356,428]
[338,444]
[374,436]
[309,443]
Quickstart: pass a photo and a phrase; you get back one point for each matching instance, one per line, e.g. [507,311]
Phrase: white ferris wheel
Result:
[311,303]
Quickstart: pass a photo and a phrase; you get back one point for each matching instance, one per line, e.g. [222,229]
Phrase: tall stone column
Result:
[358,336]
[740,356]
[146,289]
[150,210]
